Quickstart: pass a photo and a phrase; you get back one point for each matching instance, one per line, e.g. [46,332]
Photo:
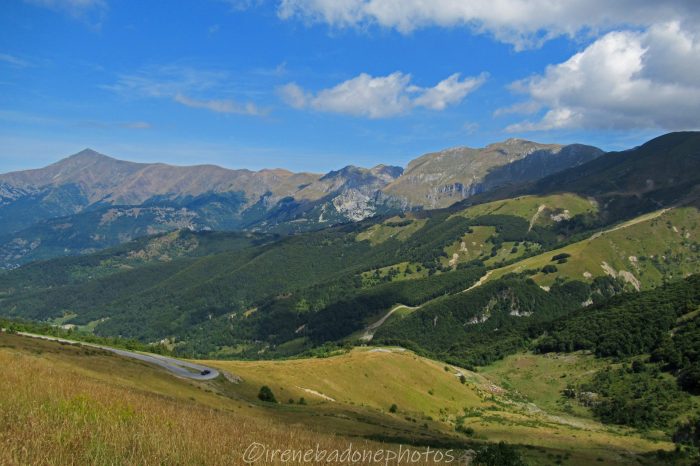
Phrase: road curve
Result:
[369,331]
[178,367]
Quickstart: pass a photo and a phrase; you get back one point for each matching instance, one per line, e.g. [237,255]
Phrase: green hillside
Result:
[538,210]
[645,252]
[263,296]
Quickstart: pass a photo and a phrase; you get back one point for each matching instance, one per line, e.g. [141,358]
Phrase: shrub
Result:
[500,454]
[266,395]
[688,433]
[462,429]
[393,408]
[689,379]
[549,268]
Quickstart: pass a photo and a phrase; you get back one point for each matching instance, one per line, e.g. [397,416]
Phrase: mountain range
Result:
[559,311]
[627,218]
[89,201]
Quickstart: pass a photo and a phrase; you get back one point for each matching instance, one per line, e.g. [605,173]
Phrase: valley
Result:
[521,318]
[357,232]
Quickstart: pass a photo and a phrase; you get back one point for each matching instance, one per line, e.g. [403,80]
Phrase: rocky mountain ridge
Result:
[90,201]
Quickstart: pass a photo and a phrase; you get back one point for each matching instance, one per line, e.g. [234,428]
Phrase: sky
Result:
[314,85]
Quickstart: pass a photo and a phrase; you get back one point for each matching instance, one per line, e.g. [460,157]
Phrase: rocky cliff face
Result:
[88,179]
[353,191]
[90,201]
[443,178]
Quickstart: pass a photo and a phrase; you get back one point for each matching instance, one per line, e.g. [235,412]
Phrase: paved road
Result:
[185,369]
[369,331]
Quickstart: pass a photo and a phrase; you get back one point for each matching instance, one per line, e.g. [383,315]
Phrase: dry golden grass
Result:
[376,378]
[51,414]
[70,405]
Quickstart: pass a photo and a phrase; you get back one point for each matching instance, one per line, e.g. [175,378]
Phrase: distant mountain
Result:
[105,180]
[662,172]
[443,178]
[90,201]
[525,261]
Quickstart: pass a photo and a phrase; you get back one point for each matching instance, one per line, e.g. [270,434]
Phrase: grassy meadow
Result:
[649,251]
[66,404]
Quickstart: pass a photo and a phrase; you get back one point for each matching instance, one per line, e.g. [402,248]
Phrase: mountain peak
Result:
[87,154]
[514,142]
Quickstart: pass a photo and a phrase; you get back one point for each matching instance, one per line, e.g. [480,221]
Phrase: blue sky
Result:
[318,84]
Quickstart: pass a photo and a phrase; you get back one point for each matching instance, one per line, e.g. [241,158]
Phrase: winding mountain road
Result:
[177,367]
[369,331]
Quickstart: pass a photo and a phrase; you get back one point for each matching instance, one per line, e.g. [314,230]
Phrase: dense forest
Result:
[210,290]
[658,331]
[480,326]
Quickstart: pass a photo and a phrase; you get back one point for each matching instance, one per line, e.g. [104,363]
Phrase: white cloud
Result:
[381,97]
[294,95]
[166,81]
[523,23]
[527,108]
[220,106]
[178,84]
[625,79]
[13,61]
[90,11]
[240,5]
[447,92]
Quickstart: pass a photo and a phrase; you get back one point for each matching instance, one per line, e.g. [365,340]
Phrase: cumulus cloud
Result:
[625,79]
[447,92]
[179,84]
[383,96]
[523,23]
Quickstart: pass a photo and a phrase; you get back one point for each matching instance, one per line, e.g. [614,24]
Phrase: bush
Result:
[302,401]
[561,256]
[462,429]
[266,395]
[688,433]
[500,454]
[641,399]
[549,268]
[393,408]
[689,379]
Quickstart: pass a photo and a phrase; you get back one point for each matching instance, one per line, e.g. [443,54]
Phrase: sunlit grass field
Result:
[652,248]
[63,404]
[66,404]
